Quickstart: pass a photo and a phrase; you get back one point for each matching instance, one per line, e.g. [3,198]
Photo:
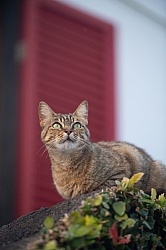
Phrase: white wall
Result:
[140,68]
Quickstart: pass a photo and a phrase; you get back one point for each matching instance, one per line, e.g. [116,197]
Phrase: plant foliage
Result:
[120,218]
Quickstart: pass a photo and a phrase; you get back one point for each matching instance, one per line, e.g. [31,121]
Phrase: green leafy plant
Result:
[120,218]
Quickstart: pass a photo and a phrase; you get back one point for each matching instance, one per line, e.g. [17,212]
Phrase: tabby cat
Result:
[81,166]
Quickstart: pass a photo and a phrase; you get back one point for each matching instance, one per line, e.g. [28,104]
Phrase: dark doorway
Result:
[9,30]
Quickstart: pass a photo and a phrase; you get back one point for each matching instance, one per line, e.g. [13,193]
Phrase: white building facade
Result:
[140,59]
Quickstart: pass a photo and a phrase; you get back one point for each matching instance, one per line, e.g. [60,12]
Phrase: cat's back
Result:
[126,150]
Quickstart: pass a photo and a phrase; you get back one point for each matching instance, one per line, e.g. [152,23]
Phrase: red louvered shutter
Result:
[69,58]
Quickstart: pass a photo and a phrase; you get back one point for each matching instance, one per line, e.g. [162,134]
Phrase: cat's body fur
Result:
[80,166]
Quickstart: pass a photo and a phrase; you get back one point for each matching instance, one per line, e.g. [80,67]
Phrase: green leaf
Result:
[105,205]
[95,232]
[153,194]
[135,178]
[144,195]
[144,212]
[50,245]
[146,224]
[76,243]
[76,218]
[128,223]
[121,218]
[98,200]
[90,220]
[78,231]
[124,183]
[162,198]
[151,221]
[119,207]
[147,235]
[82,231]
[146,201]
[49,222]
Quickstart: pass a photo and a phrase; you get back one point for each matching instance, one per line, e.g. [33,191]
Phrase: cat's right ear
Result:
[82,111]
[45,113]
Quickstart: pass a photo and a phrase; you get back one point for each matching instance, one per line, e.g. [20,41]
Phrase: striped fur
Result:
[80,166]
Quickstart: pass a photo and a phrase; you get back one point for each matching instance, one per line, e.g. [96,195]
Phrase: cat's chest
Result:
[68,183]
[66,173]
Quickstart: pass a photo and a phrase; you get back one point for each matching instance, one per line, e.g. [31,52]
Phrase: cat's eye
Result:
[77,125]
[57,125]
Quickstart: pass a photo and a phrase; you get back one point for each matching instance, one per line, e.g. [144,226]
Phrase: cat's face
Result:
[64,131]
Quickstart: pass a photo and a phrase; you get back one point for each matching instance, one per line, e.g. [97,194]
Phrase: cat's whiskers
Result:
[43,146]
[45,149]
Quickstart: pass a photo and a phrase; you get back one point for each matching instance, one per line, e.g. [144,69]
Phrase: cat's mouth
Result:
[68,143]
[68,139]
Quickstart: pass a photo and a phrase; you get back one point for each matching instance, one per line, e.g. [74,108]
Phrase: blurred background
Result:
[109,52]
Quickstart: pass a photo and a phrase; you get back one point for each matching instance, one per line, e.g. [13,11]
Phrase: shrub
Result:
[120,218]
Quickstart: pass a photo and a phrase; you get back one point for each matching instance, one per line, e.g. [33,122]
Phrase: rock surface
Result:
[19,233]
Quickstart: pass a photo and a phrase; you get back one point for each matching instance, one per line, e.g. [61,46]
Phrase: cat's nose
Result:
[68,132]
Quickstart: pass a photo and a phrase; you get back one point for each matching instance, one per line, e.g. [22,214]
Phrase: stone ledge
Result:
[19,233]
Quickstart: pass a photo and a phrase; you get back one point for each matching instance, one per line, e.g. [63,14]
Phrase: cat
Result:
[81,166]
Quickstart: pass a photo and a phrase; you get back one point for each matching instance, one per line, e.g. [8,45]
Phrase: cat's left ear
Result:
[45,113]
[82,112]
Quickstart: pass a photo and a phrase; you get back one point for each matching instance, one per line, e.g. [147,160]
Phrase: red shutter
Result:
[69,58]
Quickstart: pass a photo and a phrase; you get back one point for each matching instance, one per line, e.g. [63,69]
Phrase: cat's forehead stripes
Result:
[66,119]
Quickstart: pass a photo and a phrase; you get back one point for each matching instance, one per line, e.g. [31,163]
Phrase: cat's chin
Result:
[67,145]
